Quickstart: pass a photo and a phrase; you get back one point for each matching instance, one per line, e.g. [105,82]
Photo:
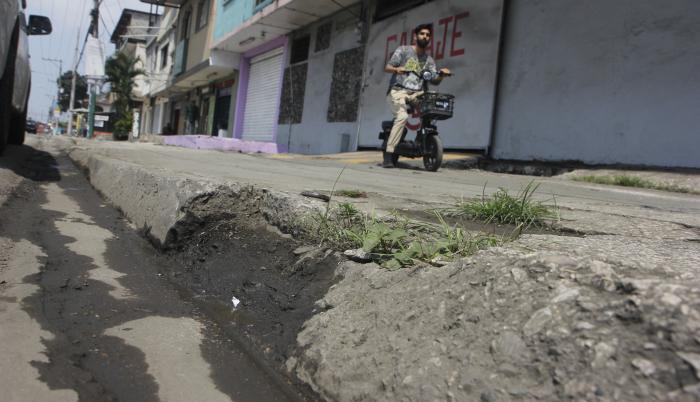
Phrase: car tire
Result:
[6,88]
[18,126]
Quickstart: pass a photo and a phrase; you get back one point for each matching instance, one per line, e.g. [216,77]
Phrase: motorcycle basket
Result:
[437,106]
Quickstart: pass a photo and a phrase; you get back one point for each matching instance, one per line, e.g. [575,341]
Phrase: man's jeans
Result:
[398,99]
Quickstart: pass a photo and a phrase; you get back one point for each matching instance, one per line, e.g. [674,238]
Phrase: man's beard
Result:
[422,43]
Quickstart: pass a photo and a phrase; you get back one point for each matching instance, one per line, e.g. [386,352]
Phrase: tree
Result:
[64,83]
[121,72]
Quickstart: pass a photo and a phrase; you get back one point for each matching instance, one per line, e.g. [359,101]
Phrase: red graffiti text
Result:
[445,30]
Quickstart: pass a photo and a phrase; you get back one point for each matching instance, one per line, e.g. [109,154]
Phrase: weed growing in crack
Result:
[634,181]
[502,208]
[394,241]
[347,212]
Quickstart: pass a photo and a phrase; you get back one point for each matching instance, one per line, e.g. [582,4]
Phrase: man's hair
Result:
[421,27]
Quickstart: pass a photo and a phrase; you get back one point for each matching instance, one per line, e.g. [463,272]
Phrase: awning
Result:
[279,18]
[218,65]
[165,3]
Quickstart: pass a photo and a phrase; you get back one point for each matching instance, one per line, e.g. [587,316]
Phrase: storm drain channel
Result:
[258,284]
[103,330]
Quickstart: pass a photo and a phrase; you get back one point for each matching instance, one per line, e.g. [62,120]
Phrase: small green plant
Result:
[634,181]
[442,243]
[503,208]
[351,193]
[395,241]
[347,211]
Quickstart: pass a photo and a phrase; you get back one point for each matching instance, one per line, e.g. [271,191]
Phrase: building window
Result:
[152,59]
[323,37]
[293,89]
[260,4]
[344,97]
[300,49]
[163,56]
[202,14]
[186,21]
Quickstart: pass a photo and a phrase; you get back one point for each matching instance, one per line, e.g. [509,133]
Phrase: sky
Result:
[67,17]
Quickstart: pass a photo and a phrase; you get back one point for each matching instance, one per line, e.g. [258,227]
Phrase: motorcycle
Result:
[429,107]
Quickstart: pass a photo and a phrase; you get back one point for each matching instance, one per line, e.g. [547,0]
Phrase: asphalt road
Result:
[85,310]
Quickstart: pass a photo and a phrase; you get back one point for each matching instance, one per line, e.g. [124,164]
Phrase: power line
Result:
[106,30]
[41,42]
[109,15]
[64,28]
[43,50]
[42,73]
[83,49]
[82,15]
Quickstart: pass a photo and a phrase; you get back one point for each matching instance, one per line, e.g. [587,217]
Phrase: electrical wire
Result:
[87,34]
[64,27]
[82,15]
[109,15]
[106,30]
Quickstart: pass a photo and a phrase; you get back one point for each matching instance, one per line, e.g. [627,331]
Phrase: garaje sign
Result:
[465,40]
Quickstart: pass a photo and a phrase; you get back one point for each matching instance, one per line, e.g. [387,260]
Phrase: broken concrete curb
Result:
[160,203]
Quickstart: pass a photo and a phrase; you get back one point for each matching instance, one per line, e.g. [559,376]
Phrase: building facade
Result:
[130,36]
[549,80]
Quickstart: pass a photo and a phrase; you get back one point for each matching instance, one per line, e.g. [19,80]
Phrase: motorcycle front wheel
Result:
[432,157]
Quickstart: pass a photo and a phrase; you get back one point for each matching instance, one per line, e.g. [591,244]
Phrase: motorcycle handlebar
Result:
[440,73]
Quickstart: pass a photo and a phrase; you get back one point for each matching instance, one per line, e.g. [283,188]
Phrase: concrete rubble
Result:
[610,314]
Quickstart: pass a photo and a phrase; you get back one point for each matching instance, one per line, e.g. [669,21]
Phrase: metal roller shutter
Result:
[260,117]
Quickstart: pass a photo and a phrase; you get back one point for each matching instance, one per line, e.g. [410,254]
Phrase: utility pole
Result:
[58,90]
[72,86]
[93,31]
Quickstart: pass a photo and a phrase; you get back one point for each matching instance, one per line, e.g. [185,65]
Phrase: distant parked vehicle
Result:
[15,72]
[31,126]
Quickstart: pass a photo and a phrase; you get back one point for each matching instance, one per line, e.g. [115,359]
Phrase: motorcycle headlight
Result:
[427,75]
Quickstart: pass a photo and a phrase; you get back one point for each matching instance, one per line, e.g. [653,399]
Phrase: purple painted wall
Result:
[223,144]
[244,77]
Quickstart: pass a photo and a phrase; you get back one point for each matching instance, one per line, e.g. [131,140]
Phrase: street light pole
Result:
[58,90]
[93,93]
[72,86]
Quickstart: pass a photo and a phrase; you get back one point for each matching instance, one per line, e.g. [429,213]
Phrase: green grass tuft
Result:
[503,208]
[396,242]
[634,181]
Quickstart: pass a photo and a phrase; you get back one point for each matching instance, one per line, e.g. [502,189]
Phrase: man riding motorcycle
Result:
[404,88]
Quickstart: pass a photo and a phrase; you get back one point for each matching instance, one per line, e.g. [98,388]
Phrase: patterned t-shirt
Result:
[406,57]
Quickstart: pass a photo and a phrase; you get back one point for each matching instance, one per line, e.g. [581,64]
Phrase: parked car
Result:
[15,72]
[31,126]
